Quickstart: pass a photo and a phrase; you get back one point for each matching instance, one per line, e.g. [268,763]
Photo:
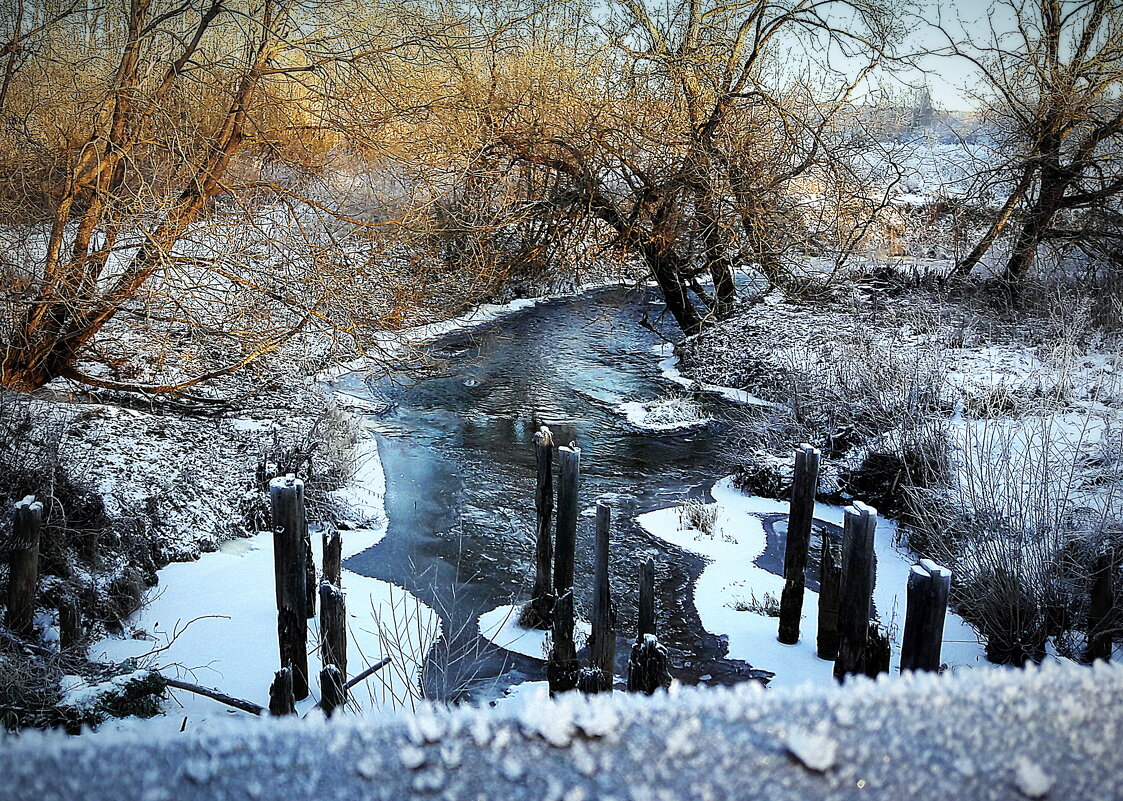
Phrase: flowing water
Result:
[459,463]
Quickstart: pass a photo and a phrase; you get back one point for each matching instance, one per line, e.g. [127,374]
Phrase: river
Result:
[459,464]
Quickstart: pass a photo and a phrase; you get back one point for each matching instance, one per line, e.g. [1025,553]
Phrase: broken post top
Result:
[570,448]
[861,509]
[543,438]
[285,482]
[932,569]
[29,504]
[809,450]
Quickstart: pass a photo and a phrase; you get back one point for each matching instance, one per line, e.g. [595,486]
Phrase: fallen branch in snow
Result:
[221,697]
[366,674]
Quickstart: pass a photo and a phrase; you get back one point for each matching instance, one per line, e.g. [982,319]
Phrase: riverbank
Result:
[163,484]
[993,439]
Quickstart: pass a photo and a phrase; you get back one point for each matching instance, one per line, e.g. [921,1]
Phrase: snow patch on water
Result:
[731,577]
[501,627]
[664,414]
[669,367]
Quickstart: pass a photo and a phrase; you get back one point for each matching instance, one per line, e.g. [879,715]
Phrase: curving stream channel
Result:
[456,451]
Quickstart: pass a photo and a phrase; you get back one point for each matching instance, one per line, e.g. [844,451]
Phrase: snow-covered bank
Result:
[213,621]
[671,369]
[724,594]
[395,344]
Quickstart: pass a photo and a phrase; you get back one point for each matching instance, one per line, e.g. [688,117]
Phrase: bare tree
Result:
[1053,71]
[209,117]
[682,126]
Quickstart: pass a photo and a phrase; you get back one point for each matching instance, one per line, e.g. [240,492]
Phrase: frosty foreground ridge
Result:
[1041,733]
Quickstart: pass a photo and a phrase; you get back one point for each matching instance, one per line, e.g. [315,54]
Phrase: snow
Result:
[731,577]
[212,622]
[664,414]
[993,735]
[501,627]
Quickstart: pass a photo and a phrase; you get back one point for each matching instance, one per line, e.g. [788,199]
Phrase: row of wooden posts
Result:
[551,604]
[847,632]
[295,576]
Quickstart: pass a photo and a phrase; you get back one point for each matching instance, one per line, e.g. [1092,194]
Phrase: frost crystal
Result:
[412,757]
[1031,779]
[815,750]
[368,768]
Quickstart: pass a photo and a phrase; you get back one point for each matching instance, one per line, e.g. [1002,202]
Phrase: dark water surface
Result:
[457,451]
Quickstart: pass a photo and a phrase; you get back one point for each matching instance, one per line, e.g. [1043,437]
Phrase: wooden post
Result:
[23,561]
[561,668]
[648,666]
[830,578]
[800,514]
[1101,615]
[569,467]
[603,644]
[281,701]
[309,573]
[646,599]
[856,593]
[286,496]
[537,613]
[878,651]
[333,556]
[333,627]
[331,689]
[69,622]
[927,599]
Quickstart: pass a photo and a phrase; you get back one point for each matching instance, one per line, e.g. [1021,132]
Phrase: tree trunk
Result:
[964,268]
[1040,217]
[665,270]
[54,332]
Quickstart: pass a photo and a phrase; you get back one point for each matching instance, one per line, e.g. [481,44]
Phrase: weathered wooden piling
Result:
[801,513]
[648,666]
[332,693]
[648,663]
[565,546]
[281,700]
[23,563]
[333,627]
[927,592]
[537,614]
[286,496]
[856,592]
[603,645]
[830,579]
[646,622]
[309,575]
[1101,607]
[69,622]
[333,556]
[562,669]
[878,652]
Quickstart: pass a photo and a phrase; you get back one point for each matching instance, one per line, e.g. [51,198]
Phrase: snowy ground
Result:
[212,622]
